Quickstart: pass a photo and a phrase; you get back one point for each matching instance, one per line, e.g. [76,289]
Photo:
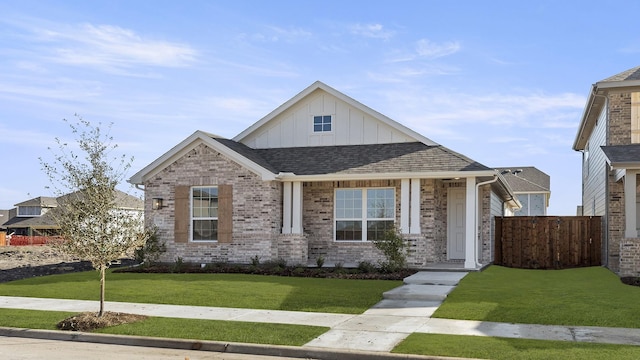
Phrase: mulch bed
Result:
[90,321]
[298,271]
[633,281]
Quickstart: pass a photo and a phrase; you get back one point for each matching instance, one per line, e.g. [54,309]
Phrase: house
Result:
[532,188]
[321,176]
[36,217]
[609,138]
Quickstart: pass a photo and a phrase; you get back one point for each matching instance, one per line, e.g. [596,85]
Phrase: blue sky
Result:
[503,82]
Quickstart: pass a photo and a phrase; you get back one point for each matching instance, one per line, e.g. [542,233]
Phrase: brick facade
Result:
[619,252]
[257,217]
[257,209]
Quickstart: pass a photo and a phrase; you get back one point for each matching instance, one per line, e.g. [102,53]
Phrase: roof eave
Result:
[587,122]
[187,145]
[385,176]
[631,165]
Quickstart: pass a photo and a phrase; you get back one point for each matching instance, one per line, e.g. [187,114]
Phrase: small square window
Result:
[322,123]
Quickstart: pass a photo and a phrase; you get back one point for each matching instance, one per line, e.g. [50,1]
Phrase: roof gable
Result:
[353,123]
[596,102]
[213,141]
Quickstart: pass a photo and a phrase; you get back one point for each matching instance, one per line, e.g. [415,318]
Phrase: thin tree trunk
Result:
[102,276]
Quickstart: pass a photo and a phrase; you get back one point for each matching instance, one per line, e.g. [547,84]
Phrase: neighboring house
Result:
[321,176]
[609,139]
[532,188]
[36,217]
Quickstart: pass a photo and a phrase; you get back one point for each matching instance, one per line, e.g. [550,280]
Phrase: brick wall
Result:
[485,252]
[629,257]
[619,118]
[619,133]
[257,209]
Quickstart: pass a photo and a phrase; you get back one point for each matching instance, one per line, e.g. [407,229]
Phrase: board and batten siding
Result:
[350,126]
[594,170]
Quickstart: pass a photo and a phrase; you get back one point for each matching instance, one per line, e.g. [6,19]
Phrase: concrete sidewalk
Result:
[404,310]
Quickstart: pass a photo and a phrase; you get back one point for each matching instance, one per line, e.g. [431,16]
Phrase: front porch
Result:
[426,213]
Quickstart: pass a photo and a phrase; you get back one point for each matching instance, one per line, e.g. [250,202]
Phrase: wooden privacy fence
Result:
[548,242]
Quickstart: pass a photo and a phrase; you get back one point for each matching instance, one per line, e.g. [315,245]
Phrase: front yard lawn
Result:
[217,290]
[512,349]
[591,296]
[247,332]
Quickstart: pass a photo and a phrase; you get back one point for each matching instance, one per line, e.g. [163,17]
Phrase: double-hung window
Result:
[204,213]
[363,214]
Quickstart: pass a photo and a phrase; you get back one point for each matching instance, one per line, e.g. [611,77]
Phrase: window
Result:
[322,123]
[29,211]
[363,214]
[204,213]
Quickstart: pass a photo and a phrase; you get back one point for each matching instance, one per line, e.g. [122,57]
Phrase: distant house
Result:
[532,188]
[36,217]
[322,176]
[609,139]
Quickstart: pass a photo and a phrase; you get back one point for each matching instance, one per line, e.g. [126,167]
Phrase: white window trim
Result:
[364,217]
[322,132]
[191,218]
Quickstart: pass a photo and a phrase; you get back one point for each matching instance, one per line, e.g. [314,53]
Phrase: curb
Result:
[213,346]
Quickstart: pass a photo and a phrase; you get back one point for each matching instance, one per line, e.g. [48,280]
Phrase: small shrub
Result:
[394,248]
[149,253]
[178,265]
[255,261]
[366,267]
[320,261]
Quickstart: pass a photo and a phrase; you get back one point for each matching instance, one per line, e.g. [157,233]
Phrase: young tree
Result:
[93,227]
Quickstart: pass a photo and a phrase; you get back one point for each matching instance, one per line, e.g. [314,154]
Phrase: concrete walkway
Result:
[404,310]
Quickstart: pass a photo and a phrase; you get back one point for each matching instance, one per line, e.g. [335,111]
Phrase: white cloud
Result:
[431,50]
[112,45]
[275,34]
[374,31]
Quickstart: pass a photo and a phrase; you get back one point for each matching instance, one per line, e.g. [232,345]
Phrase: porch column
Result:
[296,208]
[415,206]
[404,206]
[286,207]
[470,233]
[630,229]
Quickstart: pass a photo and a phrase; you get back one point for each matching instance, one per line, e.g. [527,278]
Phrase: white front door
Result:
[456,223]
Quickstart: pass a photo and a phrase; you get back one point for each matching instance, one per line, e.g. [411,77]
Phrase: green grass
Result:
[511,349]
[219,290]
[32,319]
[256,333]
[232,331]
[580,297]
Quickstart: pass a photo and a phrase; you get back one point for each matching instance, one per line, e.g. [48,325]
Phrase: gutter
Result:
[475,219]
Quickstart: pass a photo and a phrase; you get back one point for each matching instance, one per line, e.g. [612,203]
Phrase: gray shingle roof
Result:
[42,201]
[631,74]
[46,221]
[622,153]
[528,180]
[357,159]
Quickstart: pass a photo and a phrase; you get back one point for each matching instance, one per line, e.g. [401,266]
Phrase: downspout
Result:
[475,219]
